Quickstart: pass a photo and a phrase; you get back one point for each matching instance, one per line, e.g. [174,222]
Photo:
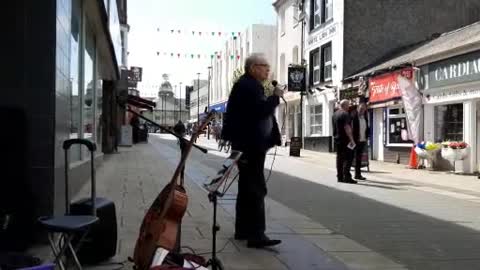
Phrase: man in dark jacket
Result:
[251,128]
[360,136]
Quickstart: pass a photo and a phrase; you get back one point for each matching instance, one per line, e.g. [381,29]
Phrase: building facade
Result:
[228,63]
[63,65]
[347,36]
[289,43]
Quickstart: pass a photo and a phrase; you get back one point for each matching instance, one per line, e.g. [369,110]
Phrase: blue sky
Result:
[145,16]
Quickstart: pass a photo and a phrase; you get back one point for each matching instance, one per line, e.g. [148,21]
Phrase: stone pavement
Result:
[134,176]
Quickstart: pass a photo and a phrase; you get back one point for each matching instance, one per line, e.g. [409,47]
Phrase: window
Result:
[89,85]
[396,127]
[315,67]
[282,22]
[296,14]
[449,122]
[283,69]
[315,17]
[327,62]
[75,110]
[321,12]
[316,119]
[327,10]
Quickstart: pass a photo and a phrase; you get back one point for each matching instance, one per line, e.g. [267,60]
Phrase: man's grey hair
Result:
[344,104]
[253,59]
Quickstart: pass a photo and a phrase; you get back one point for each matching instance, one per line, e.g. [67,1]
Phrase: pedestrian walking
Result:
[344,142]
[251,128]
[360,136]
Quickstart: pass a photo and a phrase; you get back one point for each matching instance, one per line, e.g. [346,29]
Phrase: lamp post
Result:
[198,98]
[208,99]
[174,105]
[302,62]
[180,99]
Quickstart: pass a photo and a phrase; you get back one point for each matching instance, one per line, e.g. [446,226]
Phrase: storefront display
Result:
[451,101]
[385,95]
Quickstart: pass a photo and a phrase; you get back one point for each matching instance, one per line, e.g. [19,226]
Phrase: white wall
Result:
[313,40]
[255,39]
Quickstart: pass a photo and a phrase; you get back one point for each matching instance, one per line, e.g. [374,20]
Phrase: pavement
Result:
[397,219]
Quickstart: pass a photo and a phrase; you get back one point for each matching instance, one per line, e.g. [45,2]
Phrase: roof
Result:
[446,42]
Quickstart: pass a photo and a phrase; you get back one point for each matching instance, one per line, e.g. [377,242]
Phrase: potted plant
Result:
[455,150]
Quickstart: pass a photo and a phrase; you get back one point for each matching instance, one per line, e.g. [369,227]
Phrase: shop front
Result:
[451,103]
[389,140]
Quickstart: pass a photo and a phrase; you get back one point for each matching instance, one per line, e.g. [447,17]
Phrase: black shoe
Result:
[261,243]
[349,181]
[360,178]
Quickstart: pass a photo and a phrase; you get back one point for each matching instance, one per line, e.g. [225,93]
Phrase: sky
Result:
[151,22]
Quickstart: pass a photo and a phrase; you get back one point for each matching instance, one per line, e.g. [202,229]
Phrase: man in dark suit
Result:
[251,128]
[360,136]
[344,142]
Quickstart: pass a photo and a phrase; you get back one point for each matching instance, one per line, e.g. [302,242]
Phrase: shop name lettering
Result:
[384,88]
[322,35]
[458,70]
[455,93]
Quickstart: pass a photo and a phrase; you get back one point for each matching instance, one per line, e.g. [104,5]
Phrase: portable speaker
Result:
[100,243]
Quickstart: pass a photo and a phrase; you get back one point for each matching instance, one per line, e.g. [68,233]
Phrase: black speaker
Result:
[100,243]
[16,197]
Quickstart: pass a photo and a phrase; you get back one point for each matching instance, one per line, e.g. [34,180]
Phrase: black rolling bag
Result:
[100,243]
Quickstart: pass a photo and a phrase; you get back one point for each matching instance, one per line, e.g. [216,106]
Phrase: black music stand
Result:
[217,187]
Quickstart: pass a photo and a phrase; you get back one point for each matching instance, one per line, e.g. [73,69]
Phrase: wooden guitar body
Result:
[160,225]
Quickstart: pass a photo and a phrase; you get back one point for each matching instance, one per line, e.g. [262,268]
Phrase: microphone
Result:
[275,83]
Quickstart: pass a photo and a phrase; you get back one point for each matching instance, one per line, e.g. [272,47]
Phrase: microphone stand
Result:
[221,179]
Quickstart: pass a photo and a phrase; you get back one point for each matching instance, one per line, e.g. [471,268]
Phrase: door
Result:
[377,138]
[476,153]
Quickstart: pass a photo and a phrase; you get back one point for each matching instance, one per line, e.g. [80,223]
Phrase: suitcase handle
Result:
[90,145]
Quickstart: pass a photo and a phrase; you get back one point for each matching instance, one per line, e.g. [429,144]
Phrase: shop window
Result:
[396,127]
[89,85]
[99,121]
[75,109]
[449,122]
[316,120]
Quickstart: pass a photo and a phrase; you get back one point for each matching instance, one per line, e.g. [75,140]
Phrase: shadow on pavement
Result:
[415,240]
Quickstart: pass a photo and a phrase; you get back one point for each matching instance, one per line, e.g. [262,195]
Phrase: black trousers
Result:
[252,189]
[344,161]
[358,157]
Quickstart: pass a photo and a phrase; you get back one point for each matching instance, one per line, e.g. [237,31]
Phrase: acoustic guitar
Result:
[160,225]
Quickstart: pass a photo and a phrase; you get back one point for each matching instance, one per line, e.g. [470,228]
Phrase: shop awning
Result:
[220,107]
[141,102]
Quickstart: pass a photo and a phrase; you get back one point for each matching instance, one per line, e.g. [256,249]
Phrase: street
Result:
[416,225]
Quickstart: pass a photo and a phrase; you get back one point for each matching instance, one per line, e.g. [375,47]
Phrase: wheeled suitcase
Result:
[100,243]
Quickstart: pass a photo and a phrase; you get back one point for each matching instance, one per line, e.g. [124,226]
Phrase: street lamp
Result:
[198,98]
[208,99]
[180,99]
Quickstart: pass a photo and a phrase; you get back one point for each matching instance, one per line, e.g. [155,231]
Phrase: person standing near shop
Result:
[344,142]
[360,136]
[251,128]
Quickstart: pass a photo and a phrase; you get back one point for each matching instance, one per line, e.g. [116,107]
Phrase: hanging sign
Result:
[385,87]
[296,79]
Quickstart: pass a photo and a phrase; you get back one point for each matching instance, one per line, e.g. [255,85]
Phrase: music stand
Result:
[213,188]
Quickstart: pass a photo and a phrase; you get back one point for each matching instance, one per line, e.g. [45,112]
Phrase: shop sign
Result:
[318,37]
[296,79]
[451,95]
[385,87]
[460,69]
[135,74]
[350,94]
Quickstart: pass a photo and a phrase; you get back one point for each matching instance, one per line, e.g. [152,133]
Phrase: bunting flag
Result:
[199,33]
[193,55]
